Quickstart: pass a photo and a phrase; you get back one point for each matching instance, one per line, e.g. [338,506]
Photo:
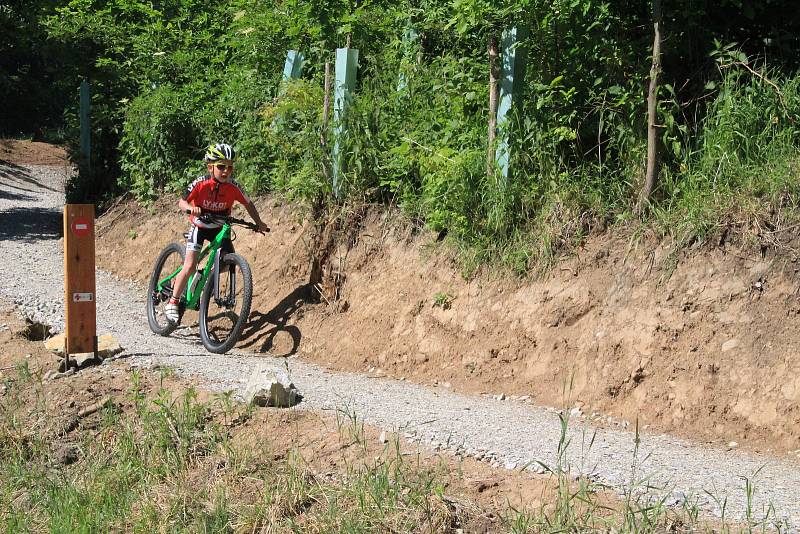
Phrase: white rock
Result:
[732,445]
[730,345]
[84,359]
[537,468]
[269,388]
[382,437]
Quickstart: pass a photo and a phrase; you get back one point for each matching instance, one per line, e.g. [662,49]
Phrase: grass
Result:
[734,179]
[154,461]
[443,300]
[173,463]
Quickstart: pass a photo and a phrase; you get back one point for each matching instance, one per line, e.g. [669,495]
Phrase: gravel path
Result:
[507,434]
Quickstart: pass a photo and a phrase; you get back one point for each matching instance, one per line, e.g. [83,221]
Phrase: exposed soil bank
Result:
[704,346]
[15,151]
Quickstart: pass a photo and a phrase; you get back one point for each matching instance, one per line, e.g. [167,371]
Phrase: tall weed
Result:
[742,165]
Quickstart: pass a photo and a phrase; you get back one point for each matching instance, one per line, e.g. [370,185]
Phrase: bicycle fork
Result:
[229,300]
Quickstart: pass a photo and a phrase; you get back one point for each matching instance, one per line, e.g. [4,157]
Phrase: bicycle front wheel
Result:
[224,313]
[170,260]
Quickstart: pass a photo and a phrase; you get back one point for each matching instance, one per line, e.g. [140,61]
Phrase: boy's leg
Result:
[193,246]
[172,308]
[189,265]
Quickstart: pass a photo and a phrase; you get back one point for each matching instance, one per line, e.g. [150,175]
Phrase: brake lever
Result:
[205,217]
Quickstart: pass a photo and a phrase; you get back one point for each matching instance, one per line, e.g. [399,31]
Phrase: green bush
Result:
[161,140]
[232,116]
[286,140]
[743,161]
[172,76]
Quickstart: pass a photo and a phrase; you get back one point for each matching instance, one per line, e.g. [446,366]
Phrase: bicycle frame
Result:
[194,290]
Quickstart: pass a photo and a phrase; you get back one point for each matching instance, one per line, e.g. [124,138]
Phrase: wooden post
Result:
[492,104]
[326,106]
[510,85]
[85,164]
[319,251]
[346,69]
[79,280]
[651,175]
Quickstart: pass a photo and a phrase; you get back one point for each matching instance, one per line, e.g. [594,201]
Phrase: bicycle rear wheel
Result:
[224,314]
[170,260]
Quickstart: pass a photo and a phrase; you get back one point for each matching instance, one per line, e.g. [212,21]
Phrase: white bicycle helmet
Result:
[220,151]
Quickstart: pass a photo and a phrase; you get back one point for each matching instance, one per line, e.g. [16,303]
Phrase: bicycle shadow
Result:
[261,330]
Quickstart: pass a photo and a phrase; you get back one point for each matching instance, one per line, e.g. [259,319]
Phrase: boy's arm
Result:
[184,205]
[253,212]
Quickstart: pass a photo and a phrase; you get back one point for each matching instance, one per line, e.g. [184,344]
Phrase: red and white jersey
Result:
[214,197]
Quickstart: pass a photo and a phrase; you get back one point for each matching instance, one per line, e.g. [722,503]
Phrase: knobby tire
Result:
[167,328]
[245,277]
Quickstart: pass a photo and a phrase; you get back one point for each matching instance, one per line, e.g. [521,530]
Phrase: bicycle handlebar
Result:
[211,217]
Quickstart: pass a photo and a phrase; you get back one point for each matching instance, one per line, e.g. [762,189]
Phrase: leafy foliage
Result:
[160,137]
[170,76]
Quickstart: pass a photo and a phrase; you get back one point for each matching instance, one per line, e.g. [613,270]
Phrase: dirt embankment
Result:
[706,348]
[16,152]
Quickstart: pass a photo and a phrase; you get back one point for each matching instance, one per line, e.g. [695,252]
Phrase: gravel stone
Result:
[508,432]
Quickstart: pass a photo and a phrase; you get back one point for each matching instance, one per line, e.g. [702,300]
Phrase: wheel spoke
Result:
[221,319]
[169,261]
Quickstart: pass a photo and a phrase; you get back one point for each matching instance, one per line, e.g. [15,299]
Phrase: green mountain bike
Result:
[221,289]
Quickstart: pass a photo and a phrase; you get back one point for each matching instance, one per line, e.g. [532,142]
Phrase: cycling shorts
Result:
[197,236]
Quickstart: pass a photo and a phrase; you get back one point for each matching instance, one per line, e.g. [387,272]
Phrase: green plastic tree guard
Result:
[293,67]
[410,40]
[86,139]
[511,80]
[344,86]
[292,70]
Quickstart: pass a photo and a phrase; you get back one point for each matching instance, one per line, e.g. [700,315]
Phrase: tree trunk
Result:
[493,76]
[326,106]
[318,211]
[651,176]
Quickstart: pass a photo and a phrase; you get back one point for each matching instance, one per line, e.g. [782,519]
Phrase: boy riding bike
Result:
[212,194]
